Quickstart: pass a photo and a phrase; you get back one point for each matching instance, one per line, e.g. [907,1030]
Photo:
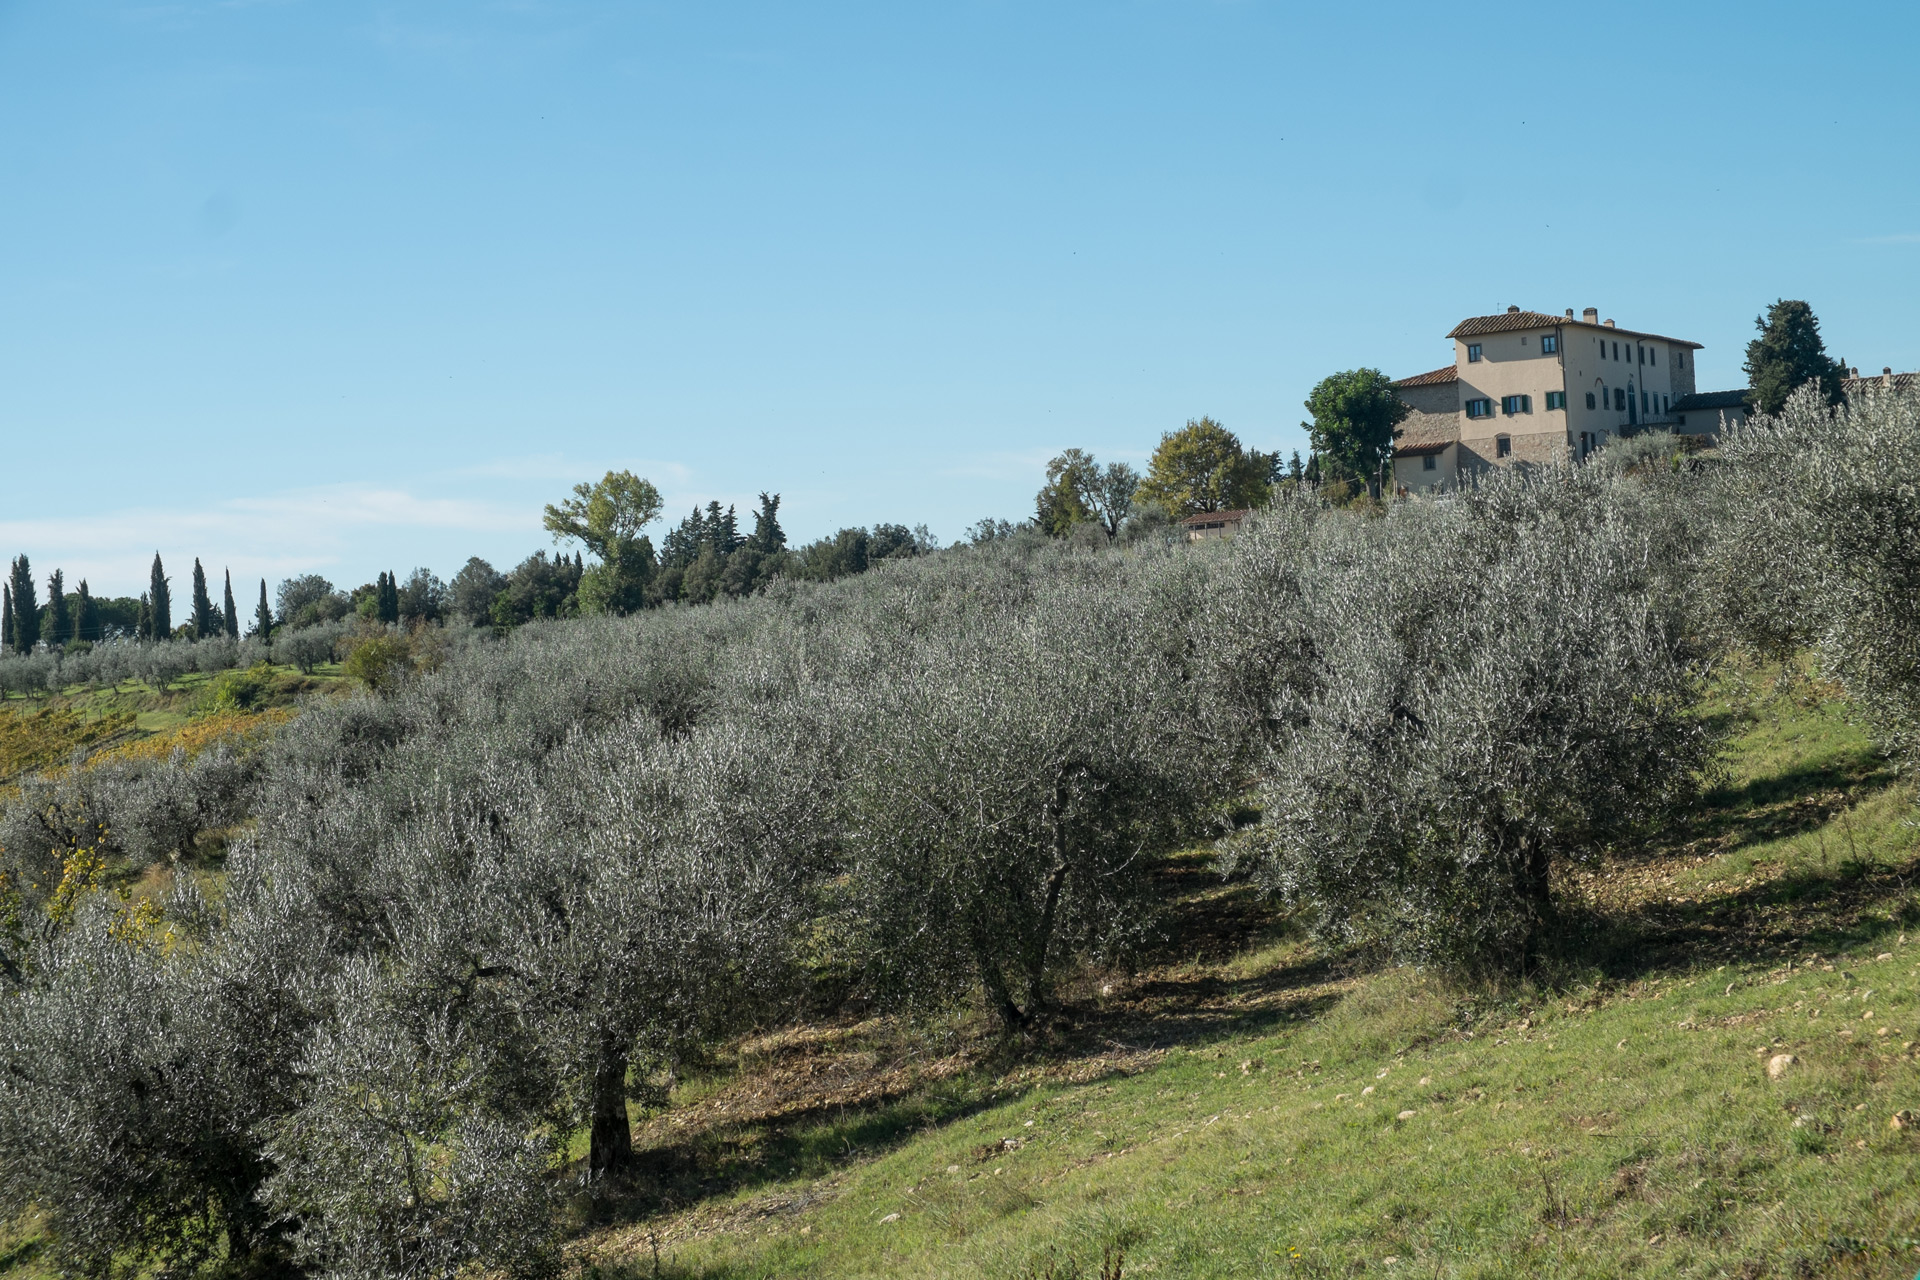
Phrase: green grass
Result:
[1620,1125]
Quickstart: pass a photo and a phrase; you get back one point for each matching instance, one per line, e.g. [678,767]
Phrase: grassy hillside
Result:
[1249,1107]
[135,718]
[1247,1104]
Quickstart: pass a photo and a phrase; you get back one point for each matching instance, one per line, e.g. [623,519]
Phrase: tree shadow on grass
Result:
[1176,997]
[1820,911]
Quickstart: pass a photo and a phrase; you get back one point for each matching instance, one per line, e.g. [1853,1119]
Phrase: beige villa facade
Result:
[1532,387]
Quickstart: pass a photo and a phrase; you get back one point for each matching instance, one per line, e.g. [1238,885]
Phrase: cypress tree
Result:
[203,621]
[159,604]
[387,604]
[6,614]
[232,612]
[59,618]
[143,629]
[86,615]
[263,616]
[26,607]
[1788,354]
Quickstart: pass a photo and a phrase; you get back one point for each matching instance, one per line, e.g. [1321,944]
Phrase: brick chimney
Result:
[1569,313]
[1886,375]
[1609,324]
[1591,315]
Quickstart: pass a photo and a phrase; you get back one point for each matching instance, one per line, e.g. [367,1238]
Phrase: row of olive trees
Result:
[466,918]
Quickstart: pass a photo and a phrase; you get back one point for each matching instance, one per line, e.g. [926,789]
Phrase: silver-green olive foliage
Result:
[476,914]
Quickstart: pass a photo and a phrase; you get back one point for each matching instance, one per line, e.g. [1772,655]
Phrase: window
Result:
[1619,399]
[1503,446]
[1663,405]
[1644,407]
[1556,399]
[1616,351]
[1549,343]
[1590,400]
[1511,405]
[1479,408]
[1473,352]
[1429,463]
[1653,355]
[1640,355]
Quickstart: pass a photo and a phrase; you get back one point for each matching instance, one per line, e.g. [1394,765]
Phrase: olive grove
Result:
[467,917]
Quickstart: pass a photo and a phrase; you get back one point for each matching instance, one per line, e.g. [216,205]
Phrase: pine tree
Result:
[263,616]
[59,618]
[203,620]
[26,607]
[86,615]
[159,603]
[768,536]
[231,611]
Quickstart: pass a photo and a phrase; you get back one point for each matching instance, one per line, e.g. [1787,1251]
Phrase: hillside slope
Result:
[1274,1112]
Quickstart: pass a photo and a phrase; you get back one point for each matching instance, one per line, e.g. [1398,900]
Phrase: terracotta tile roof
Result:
[1512,321]
[1901,382]
[1710,400]
[1437,378]
[1218,517]
[1420,450]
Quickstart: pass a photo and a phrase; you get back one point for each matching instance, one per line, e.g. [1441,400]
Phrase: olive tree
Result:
[1012,766]
[1494,686]
[1819,545]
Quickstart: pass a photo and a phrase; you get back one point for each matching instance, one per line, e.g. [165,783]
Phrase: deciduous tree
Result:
[1204,467]
[1356,415]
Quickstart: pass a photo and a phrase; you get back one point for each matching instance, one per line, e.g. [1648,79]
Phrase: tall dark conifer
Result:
[230,612]
[6,615]
[143,629]
[203,620]
[26,607]
[159,603]
[86,615]
[386,604]
[263,616]
[59,618]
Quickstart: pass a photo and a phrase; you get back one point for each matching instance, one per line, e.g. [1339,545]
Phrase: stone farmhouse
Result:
[1529,387]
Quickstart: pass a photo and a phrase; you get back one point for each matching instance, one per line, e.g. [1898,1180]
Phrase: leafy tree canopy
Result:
[605,517]
[1788,354]
[1356,415]
[1204,467]
[1081,491]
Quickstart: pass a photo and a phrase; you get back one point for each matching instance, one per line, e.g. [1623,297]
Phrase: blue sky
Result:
[339,286]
